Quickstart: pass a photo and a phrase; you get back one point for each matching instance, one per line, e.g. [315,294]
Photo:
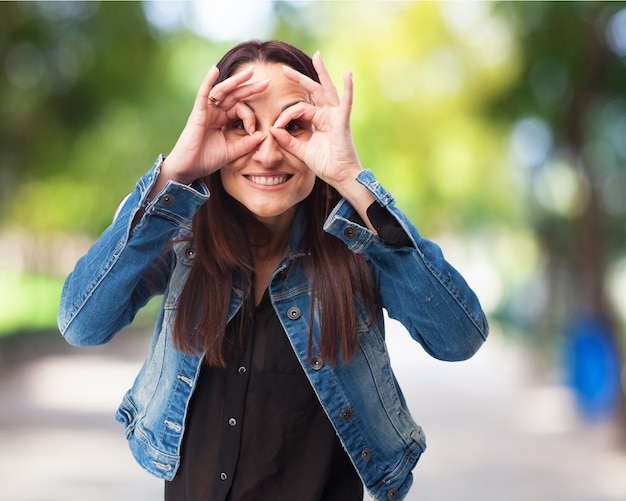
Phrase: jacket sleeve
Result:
[129,263]
[416,285]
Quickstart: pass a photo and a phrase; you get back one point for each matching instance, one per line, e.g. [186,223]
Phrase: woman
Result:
[268,376]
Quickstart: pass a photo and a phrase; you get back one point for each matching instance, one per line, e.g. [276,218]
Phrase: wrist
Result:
[345,180]
[344,176]
[170,171]
[357,195]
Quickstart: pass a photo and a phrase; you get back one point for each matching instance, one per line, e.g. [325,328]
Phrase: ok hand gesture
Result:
[330,151]
[202,148]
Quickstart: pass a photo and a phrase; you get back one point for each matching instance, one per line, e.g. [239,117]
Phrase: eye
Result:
[237,124]
[235,127]
[295,127]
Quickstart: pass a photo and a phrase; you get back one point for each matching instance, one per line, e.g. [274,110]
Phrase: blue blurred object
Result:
[593,366]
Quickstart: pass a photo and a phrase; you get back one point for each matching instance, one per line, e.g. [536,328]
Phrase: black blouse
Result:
[256,430]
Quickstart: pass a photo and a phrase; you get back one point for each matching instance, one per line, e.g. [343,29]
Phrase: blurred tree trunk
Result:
[565,47]
[589,247]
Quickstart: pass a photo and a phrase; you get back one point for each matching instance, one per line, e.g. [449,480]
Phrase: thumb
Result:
[246,144]
[285,140]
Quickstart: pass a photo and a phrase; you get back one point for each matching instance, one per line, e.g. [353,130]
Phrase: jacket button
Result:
[345,414]
[293,313]
[317,363]
[392,495]
[190,252]
[350,232]
[366,454]
[167,200]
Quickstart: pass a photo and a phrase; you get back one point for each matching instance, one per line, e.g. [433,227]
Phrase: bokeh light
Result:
[218,21]
[531,142]
[616,33]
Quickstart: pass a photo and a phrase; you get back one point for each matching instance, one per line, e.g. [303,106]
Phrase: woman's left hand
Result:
[330,152]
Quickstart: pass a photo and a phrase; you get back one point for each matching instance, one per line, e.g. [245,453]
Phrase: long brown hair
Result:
[339,277]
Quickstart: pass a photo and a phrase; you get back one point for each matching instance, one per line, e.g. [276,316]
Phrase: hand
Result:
[330,151]
[202,148]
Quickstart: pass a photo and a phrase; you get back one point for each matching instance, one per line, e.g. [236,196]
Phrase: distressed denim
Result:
[130,264]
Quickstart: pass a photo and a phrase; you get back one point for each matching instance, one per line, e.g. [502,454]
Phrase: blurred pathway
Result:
[495,431]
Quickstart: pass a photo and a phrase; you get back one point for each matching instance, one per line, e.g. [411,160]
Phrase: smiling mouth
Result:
[269,180]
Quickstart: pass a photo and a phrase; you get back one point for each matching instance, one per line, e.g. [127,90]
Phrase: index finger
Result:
[243,92]
[322,72]
[220,90]
[325,87]
[309,84]
[301,110]
[207,84]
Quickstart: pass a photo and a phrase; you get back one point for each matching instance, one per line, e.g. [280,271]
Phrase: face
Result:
[269,181]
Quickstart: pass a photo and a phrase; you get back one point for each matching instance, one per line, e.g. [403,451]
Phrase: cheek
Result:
[308,184]
[226,178]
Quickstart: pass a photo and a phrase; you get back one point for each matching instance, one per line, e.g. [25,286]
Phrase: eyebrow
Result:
[289,105]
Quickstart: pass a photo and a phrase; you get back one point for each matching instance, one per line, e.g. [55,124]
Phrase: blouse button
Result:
[232,421]
[345,414]
[317,363]
[293,313]
[167,200]
[223,476]
[350,232]
[366,454]
[392,495]
[242,369]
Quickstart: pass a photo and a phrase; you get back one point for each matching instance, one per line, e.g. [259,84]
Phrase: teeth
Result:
[268,181]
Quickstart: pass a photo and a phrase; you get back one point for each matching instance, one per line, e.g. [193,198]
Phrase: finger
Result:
[307,83]
[244,145]
[326,82]
[322,72]
[240,111]
[321,94]
[243,92]
[247,117]
[205,88]
[302,110]
[286,141]
[348,96]
[219,91]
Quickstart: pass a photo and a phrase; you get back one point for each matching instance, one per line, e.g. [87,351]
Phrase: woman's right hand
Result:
[202,148]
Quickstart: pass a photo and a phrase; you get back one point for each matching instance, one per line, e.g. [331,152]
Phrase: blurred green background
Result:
[499,127]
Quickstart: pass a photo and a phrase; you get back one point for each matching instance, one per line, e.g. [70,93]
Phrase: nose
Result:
[268,153]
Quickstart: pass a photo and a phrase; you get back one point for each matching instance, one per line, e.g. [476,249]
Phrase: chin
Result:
[267,215]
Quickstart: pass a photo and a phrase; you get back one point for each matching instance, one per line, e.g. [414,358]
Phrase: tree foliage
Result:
[420,89]
[79,100]
[569,105]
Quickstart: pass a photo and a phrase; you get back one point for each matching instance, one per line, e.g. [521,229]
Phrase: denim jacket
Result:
[128,265]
